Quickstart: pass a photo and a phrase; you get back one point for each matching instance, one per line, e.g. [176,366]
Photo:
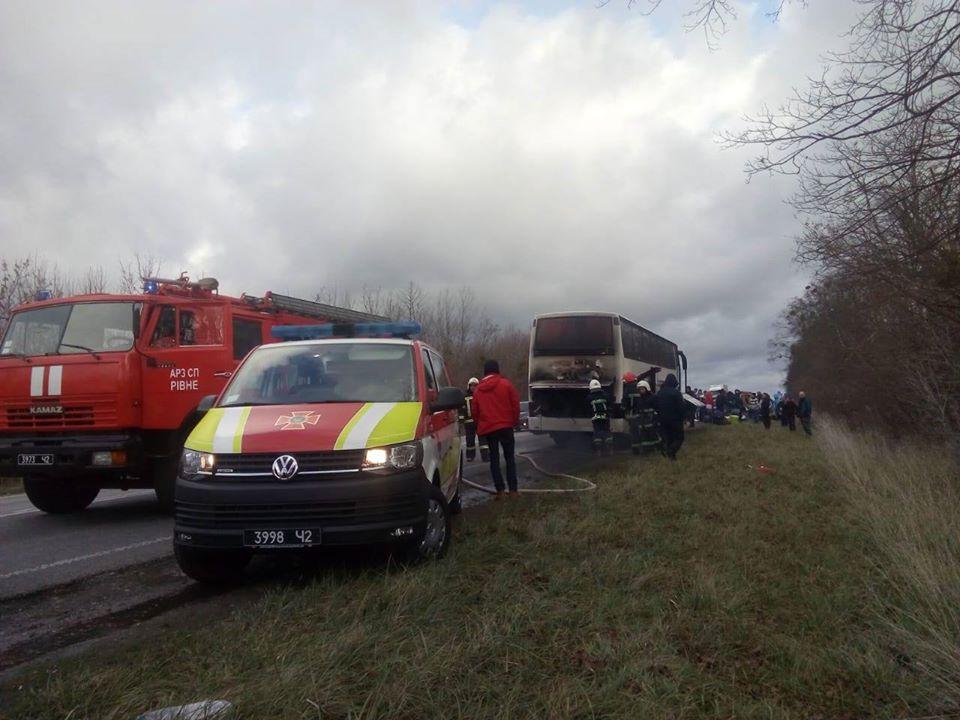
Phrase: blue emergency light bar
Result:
[406,330]
[43,295]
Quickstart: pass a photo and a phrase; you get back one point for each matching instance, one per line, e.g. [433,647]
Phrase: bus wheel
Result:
[562,439]
[212,566]
[59,496]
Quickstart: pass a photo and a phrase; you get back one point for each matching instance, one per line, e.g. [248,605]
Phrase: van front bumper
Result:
[359,509]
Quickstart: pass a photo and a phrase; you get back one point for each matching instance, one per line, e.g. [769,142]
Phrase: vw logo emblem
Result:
[285,467]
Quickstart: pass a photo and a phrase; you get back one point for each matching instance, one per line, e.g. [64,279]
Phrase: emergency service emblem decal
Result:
[297,420]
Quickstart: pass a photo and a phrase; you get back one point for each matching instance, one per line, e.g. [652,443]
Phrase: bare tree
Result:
[133,271]
[713,17]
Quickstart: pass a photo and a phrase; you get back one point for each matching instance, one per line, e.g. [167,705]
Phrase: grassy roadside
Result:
[697,589]
[10,486]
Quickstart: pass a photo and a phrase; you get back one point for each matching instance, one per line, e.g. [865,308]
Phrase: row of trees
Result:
[876,143]
[453,320]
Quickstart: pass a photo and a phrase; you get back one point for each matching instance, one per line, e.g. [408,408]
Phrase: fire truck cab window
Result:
[246,336]
[165,332]
[201,326]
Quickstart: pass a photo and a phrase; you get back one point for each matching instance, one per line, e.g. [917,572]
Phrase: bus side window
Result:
[165,332]
[247,334]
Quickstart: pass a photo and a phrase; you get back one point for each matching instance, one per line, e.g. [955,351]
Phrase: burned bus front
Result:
[566,353]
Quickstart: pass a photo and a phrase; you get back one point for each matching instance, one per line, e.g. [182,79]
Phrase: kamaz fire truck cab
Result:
[100,391]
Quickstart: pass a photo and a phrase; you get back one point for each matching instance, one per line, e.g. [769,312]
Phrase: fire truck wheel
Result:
[217,567]
[164,483]
[59,496]
[433,544]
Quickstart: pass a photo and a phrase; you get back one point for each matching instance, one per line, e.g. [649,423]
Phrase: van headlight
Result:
[193,462]
[393,458]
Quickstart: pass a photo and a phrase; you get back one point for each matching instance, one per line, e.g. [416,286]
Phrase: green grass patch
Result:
[702,588]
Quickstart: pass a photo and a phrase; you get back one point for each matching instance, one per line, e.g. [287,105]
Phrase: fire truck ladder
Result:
[317,310]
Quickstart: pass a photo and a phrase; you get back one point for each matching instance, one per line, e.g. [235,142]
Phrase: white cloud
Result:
[551,159]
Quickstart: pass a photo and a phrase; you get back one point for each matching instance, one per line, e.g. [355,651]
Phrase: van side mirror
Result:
[206,402]
[449,398]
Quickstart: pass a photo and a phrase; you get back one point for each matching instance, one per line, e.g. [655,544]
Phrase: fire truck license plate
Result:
[298,537]
[36,459]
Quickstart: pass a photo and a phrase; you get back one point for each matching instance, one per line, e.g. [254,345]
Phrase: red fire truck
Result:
[100,391]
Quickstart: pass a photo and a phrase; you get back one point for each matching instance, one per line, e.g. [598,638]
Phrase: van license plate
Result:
[36,459]
[296,537]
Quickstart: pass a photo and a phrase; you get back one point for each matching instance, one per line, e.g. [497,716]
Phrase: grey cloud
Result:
[558,159]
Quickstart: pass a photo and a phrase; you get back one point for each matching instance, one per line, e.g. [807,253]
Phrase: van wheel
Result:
[433,544]
[58,497]
[216,567]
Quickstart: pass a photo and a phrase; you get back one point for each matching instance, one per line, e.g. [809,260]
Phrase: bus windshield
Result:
[71,328]
[574,335]
[323,373]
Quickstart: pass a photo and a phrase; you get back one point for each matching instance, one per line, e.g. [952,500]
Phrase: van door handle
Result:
[224,374]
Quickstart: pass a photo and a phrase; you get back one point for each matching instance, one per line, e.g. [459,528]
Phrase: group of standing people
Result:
[655,420]
[789,410]
[758,406]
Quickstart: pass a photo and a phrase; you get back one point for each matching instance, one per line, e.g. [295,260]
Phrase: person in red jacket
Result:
[496,409]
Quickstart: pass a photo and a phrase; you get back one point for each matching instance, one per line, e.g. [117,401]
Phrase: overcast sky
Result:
[550,155]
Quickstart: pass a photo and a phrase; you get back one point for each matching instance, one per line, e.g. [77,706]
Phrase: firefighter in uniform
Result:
[470,425]
[602,439]
[645,407]
[630,410]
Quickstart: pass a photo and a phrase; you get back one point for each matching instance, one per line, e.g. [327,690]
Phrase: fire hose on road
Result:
[587,485]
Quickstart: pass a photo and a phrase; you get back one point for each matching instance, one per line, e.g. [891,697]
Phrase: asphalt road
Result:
[120,529]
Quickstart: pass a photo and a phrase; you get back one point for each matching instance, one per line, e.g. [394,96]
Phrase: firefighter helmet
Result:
[472,381]
[629,377]
[643,384]
[594,384]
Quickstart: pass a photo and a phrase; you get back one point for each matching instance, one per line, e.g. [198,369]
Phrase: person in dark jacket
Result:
[788,413]
[765,411]
[646,409]
[671,411]
[470,424]
[805,413]
[602,438]
[630,410]
[496,408]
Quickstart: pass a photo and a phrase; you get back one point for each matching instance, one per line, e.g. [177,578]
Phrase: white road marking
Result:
[54,379]
[136,493]
[81,558]
[36,381]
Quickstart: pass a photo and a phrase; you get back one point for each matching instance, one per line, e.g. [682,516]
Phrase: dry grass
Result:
[908,498]
[698,589]
[10,486]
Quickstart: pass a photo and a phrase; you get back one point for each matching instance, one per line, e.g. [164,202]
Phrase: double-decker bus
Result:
[569,349]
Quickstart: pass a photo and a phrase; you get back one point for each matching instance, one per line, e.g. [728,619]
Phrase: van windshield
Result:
[322,373]
[574,335]
[71,328]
